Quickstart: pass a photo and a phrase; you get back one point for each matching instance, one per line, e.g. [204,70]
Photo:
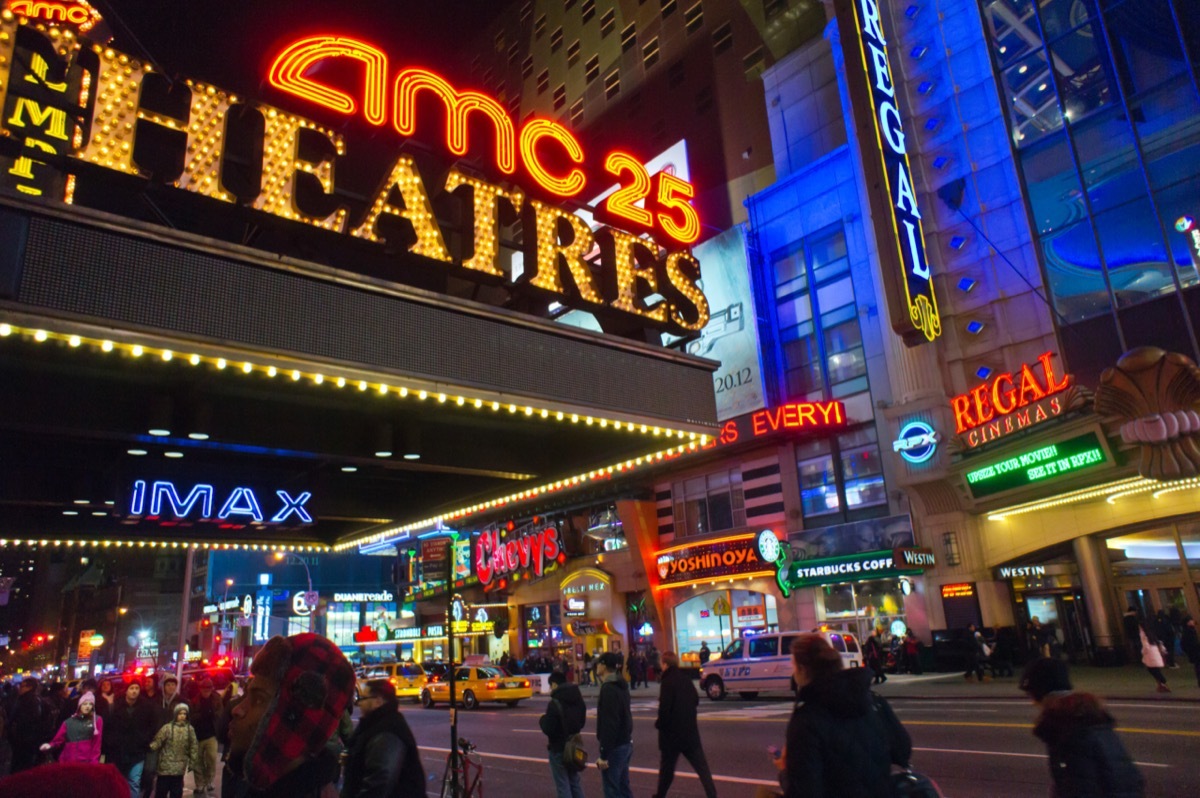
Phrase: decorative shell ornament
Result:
[1156,395]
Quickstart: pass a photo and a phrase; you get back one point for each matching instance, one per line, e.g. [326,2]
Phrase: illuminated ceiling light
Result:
[221,364]
[1021,70]
[441,397]
[40,336]
[341,382]
[5,330]
[159,432]
[247,367]
[512,408]
[272,371]
[362,385]
[198,436]
[495,405]
[173,455]
[1042,87]
[383,389]
[478,404]
[99,513]
[167,355]
[349,469]
[137,350]
[81,501]
[296,375]
[460,401]
[136,452]
[70,512]
[194,360]
[107,346]
[74,341]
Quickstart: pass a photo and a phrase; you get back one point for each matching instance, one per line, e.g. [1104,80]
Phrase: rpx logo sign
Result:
[495,557]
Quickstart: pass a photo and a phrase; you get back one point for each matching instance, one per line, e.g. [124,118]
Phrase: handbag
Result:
[910,784]
[574,755]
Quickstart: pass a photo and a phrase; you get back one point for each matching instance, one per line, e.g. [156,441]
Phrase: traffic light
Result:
[206,623]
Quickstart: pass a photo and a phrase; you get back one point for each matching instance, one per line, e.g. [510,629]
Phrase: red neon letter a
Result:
[287,74]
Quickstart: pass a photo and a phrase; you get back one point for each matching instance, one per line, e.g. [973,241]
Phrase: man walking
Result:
[382,760]
[678,731]
[204,720]
[565,716]
[128,730]
[614,727]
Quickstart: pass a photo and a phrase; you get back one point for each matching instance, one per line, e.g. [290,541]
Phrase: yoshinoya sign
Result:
[1010,402]
[906,274]
[734,556]
[532,166]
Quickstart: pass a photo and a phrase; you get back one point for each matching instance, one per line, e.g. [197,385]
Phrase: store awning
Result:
[585,627]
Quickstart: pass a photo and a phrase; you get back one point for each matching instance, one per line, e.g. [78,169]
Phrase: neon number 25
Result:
[679,221]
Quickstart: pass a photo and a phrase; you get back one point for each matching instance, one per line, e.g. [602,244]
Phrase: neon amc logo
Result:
[79,14]
[660,203]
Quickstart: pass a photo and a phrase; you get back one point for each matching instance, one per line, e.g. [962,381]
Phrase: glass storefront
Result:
[719,617]
[1148,569]
[859,607]
[541,628]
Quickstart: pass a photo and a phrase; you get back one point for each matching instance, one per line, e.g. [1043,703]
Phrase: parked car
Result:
[476,685]
[763,663]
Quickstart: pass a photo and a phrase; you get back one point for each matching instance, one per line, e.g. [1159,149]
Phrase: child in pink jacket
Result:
[79,735]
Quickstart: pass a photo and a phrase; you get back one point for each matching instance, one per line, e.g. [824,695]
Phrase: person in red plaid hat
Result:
[299,688]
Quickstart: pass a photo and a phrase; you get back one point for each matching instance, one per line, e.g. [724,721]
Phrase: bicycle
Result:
[465,780]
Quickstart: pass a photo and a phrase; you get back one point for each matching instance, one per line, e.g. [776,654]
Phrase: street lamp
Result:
[280,556]
[117,627]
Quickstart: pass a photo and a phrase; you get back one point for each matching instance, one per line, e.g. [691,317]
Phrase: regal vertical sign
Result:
[906,276]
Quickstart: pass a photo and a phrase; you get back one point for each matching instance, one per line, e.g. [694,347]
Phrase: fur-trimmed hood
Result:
[1065,715]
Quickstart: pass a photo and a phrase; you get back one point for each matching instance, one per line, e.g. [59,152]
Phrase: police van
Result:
[763,663]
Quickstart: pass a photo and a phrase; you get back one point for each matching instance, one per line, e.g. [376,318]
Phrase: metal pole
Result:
[183,614]
[455,787]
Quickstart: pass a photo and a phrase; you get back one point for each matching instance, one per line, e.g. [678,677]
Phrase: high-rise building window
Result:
[693,18]
[591,70]
[1102,108]
[608,22]
[819,334]
[841,479]
[709,503]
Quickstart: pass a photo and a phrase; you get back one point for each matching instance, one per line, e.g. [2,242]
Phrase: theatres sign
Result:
[499,554]
[132,121]
[1010,402]
[793,416]
[735,556]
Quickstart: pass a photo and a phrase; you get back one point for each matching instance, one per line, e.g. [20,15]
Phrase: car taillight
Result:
[524,684]
[491,685]
[393,680]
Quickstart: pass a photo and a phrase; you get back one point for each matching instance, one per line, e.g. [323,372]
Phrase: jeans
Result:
[134,777]
[616,775]
[566,784]
[666,771]
[207,770]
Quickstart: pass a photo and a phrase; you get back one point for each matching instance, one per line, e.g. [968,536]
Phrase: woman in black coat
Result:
[842,739]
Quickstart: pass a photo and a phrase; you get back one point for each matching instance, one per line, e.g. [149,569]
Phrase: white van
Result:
[763,662]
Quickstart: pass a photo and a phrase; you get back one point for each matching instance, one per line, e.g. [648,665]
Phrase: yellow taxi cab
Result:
[408,678]
[475,684]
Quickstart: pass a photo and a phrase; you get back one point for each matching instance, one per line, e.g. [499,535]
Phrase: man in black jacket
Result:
[128,730]
[614,727]
[206,708]
[566,715]
[383,761]
[30,724]
[678,731]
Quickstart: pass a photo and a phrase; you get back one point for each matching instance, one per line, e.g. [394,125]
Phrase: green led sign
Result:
[1042,464]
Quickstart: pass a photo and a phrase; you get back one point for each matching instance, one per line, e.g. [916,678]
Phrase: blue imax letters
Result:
[242,503]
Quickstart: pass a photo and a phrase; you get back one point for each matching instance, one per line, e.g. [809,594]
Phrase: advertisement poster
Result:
[874,534]
[732,334]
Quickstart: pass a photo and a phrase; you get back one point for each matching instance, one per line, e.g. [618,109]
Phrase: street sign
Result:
[311,598]
[721,606]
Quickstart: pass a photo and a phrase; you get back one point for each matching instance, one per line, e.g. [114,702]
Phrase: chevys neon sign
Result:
[496,557]
[1009,402]
[157,499]
[791,416]
[912,302]
[635,277]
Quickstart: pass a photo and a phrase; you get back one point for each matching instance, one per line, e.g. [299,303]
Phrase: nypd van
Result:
[761,663]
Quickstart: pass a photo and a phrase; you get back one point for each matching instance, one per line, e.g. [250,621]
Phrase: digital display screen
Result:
[1040,464]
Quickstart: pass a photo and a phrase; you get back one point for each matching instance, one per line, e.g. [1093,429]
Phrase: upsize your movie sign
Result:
[75,108]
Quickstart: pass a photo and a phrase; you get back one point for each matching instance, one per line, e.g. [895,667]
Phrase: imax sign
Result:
[161,499]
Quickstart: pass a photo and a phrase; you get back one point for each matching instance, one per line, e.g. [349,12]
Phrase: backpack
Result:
[574,755]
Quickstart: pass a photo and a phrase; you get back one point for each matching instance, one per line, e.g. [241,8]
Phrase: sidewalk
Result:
[1128,683]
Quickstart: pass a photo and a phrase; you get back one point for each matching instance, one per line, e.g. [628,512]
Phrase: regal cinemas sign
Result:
[69,104]
[1010,402]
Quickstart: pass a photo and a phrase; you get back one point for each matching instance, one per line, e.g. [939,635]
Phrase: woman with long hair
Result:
[842,739]
[1153,653]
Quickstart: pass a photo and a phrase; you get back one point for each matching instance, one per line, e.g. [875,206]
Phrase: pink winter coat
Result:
[76,744]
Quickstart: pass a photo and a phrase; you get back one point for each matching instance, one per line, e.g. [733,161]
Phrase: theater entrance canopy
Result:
[224,323]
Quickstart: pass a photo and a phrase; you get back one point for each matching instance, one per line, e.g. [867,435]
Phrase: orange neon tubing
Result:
[458,105]
[534,131]
[287,74]
[676,194]
[699,543]
[711,579]
[621,202]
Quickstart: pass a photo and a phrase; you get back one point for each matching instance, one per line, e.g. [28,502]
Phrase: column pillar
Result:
[1095,575]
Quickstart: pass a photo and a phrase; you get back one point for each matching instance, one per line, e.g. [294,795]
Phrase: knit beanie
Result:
[316,684]
[88,698]
[1045,676]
